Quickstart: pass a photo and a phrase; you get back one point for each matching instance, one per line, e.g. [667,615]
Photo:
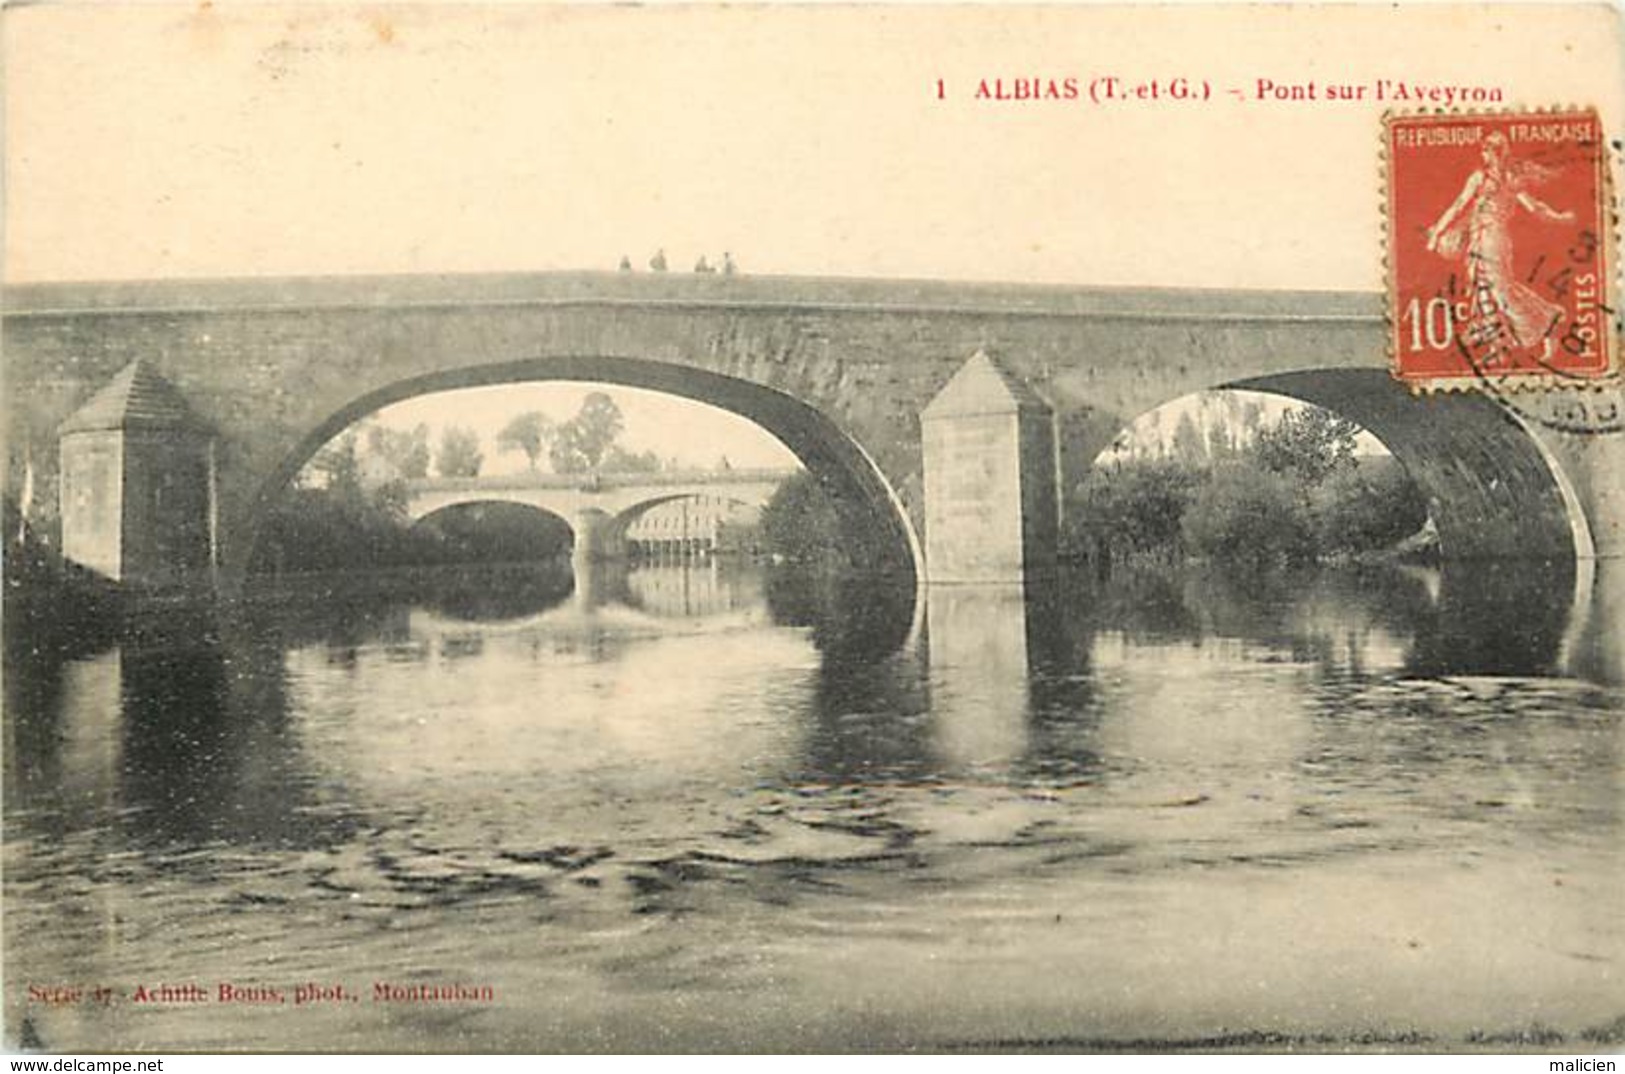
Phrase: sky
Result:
[695,434]
[218,139]
[1152,433]
[229,139]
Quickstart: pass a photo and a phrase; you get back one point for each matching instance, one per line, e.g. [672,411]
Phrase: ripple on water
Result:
[1142,835]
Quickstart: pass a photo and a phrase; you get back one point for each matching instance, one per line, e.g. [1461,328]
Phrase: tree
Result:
[338,465]
[1252,416]
[335,518]
[1189,447]
[566,453]
[1131,510]
[800,521]
[530,432]
[406,450]
[582,443]
[1368,508]
[460,454]
[621,461]
[1246,515]
[1309,444]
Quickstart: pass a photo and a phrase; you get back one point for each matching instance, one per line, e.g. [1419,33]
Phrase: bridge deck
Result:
[681,289]
[595,482]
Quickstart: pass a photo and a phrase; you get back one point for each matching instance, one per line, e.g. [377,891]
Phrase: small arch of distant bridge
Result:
[628,517]
[426,518]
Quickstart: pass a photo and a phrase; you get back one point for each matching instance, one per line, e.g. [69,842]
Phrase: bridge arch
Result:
[626,518]
[426,518]
[1494,490]
[876,522]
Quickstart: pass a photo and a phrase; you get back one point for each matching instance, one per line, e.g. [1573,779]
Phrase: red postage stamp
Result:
[1499,234]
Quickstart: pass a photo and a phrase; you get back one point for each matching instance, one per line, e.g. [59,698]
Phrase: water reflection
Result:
[1011,683]
[486,596]
[1462,620]
[199,733]
[852,617]
[1509,622]
[62,742]
[765,757]
[706,588]
[979,638]
[1064,698]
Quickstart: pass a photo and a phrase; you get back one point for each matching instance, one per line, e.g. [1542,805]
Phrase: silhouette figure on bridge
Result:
[658,261]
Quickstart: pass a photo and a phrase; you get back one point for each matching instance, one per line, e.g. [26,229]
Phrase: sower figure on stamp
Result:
[1477,227]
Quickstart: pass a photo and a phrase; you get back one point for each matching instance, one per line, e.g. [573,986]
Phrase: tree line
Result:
[587,442]
[1293,491]
[1296,492]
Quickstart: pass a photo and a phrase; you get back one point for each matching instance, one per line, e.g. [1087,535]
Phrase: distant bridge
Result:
[600,508]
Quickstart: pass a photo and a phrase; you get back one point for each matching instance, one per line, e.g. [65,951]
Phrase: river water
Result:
[727,807]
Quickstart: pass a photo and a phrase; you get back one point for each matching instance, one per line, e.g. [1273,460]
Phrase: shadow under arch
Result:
[540,518]
[872,515]
[1492,490]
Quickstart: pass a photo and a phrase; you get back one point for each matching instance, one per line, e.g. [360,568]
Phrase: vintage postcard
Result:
[604,528]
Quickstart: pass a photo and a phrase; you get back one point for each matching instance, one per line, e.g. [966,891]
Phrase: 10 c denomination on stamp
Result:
[1499,230]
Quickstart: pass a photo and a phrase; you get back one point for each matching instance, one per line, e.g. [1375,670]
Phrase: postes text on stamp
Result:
[1498,250]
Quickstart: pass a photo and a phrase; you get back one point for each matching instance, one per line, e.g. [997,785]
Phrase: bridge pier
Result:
[1591,462]
[138,495]
[596,537]
[598,544]
[598,583]
[977,641]
[991,510]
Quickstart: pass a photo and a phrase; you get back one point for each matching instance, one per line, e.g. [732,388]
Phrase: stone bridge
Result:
[598,507]
[841,371]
